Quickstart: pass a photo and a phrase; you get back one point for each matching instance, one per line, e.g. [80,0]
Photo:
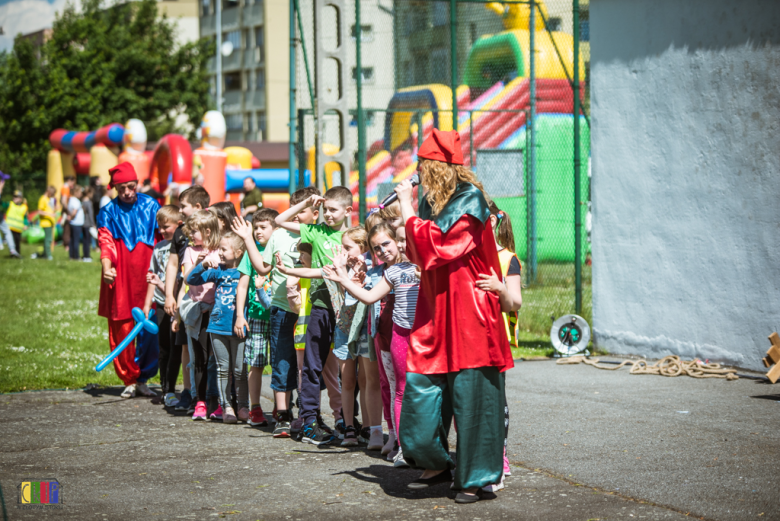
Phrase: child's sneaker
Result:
[340,429]
[212,405]
[170,400]
[216,415]
[200,412]
[129,392]
[376,440]
[507,468]
[144,390]
[494,487]
[399,461]
[350,437]
[323,425]
[243,415]
[365,434]
[388,447]
[184,401]
[256,418]
[296,429]
[229,416]
[282,429]
[312,433]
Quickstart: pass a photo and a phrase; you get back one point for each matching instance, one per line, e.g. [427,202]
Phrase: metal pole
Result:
[530,129]
[420,137]
[454,62]
[218,23]
[301,145]
[361,124]
[577,212]
[292,98]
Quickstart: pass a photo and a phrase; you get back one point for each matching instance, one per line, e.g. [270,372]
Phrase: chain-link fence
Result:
[509,70]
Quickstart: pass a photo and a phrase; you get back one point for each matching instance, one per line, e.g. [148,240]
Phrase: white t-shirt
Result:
[75,204]
[104,200]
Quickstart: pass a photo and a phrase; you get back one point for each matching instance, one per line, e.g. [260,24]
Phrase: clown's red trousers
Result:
[124,364]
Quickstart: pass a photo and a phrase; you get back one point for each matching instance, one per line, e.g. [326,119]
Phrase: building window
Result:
[233,37]
[584,30]
[261,123]
[234,121]
[368,74]
[441,14]
[227,4]
[366,32]
[232,81]
[421,69]
[250,123]
[205,7]
[260,79]
[260,43]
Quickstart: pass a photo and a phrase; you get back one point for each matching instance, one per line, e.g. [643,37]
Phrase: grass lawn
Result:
[51,336]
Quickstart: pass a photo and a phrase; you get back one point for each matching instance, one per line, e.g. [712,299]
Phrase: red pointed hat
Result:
[122,173]
[442,146]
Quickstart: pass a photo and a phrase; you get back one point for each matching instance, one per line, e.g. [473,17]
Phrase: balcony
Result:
[208,25]
[252,57]
[231,62]
[255,100]
[253,14]
[230,18]
[232,101]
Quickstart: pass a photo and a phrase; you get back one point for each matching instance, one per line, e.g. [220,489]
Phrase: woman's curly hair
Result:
[441,179]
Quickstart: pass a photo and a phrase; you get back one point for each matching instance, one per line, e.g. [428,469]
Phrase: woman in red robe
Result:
[459,348]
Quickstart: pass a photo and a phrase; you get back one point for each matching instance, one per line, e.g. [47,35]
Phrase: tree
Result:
[101,65]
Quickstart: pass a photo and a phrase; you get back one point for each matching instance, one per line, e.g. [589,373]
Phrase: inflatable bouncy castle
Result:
[220,170]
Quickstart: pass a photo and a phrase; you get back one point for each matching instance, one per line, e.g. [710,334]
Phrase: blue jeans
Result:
[75,240]
[284,361]
[211,373]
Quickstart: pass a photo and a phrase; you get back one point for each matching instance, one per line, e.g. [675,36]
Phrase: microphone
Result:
[390,199]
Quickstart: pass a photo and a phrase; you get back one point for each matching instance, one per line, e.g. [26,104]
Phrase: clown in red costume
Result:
[459,347]
[126,234]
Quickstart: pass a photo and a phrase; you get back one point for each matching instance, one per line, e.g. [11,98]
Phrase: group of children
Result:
[327,306]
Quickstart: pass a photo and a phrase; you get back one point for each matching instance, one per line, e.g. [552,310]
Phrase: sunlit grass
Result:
[51,336]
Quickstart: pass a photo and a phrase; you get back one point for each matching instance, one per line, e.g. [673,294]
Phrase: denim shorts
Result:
[341,348]
[284,362]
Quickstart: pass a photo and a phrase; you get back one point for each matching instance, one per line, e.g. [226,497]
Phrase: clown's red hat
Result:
[442,146]
[122,173]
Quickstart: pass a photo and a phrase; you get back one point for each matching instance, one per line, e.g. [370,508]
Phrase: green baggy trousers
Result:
[475,397]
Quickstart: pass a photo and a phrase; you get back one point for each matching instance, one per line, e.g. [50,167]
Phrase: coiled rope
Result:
[668,366]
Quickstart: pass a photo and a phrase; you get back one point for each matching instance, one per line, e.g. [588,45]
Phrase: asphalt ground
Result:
[584,444]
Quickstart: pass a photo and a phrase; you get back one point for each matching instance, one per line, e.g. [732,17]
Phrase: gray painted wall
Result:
[686,177]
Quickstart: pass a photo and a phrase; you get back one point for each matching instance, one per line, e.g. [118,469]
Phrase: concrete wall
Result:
[686,177]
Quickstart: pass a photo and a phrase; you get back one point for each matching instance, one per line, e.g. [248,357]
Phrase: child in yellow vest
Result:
[14,217]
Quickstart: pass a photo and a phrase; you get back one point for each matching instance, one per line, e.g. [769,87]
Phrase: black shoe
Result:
[340,429]
[365,434]
[296,429]
[312,433]
[464,498]
[323,425]
[212,405]
[421,483]
[282,429]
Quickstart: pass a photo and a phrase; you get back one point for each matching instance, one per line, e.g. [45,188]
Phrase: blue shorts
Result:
[284,362]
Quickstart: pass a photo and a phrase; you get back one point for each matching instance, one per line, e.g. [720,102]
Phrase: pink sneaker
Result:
[217,414]
[243,415]
[200,412]
[507,468]
[229,416]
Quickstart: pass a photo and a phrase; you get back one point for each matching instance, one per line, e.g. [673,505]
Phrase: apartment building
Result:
[255,82]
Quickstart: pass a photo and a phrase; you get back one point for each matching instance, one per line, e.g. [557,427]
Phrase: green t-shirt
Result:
[285,243]
[253,198]
[255,309]
[325,242]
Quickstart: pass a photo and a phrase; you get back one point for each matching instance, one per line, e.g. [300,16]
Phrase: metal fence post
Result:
[291,160]
[577,211]
[454,61]
[300,145]
[471,137]
[361,124]
[531,131]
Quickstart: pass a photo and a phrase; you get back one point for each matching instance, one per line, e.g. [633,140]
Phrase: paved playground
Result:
[584,444]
